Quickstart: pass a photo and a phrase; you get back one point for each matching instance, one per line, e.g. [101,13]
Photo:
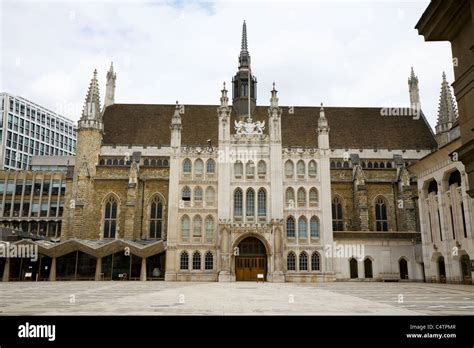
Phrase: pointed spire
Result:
[413,76]
[447,113]
[274,98]
[244,58]
[224,98]
[323,129]
[91,109]
[244,38]
[110,73]
[176,119]
[413,90]
[322,122]
[321,112]
[110,87]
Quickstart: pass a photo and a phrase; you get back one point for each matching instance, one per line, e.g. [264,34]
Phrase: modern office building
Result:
[32,202]
[28,129]
[51,163]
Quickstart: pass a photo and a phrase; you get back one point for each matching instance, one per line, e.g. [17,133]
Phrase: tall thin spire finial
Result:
[92,104]
[447,112]
[244,38]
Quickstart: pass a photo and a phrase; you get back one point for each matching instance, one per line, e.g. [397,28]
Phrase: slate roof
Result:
[350,127]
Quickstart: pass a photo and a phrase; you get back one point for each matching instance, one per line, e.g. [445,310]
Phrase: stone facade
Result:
[211,193]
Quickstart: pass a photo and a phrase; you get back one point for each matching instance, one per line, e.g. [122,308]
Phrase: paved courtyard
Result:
[241,298]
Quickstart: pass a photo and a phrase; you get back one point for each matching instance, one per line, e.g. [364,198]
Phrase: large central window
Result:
[250,203]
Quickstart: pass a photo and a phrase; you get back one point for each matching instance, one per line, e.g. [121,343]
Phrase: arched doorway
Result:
[250,260]
[368,268]
[466,269]
[441,270]
[403,265]
[353,267]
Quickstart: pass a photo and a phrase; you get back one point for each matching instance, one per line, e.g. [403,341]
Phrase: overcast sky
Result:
[342,53]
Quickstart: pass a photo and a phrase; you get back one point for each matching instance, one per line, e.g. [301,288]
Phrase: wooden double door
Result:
[250,260]
[247,267]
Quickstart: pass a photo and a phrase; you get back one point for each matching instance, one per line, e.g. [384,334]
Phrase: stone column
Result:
[278,276]
[360,269]
[224,274]
[143,270]
[6,271]
[52,273]
[98,268]
[130,207]
[407,213]
[361,207]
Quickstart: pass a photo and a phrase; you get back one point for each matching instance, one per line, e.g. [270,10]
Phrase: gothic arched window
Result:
[313,196]
[290,227]
[381,220]
[184,260]
[186,194]
[185,226]
[250,203]
[262,202]
[156,217]
[210,166]
[238,203]
[312,168]
[197,226]
[302,227]
[290,196]
[198,194]
[209,228]
[187,166]
[238,169]
[303,261]
[209,261]
[337,215]
[289,168]
[196,260]
[300,168]
[199,166]
[250,169]
[314,227]
[291,261]
[210,196]
[315,261]
[301,197]
[110,217]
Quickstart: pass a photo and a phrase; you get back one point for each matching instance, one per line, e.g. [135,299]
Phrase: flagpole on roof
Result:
[249,118]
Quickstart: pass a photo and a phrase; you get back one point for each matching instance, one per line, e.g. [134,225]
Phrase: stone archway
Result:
[250,257]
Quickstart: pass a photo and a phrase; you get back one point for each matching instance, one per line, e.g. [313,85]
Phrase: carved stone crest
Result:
[249,127]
